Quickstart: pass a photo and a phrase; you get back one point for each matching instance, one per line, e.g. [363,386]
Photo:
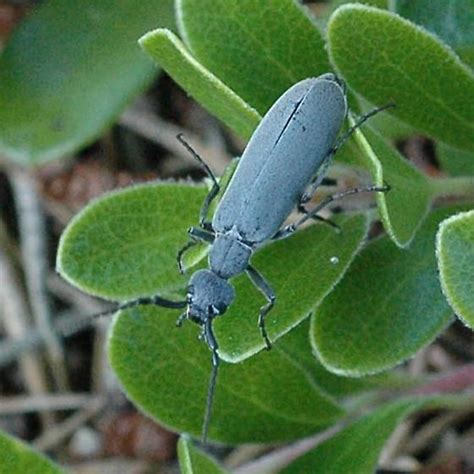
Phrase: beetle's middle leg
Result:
[259,281]
[197,235]
[290,229]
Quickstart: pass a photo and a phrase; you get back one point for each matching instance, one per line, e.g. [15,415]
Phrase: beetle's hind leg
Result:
[290,229]
[197,235]
[259,281]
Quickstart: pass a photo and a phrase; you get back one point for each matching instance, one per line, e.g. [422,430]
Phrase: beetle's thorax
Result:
[229,255]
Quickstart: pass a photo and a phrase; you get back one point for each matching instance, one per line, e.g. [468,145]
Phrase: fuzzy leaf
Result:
[451,20]
[68,71]
[169,52]
[257,49]
[18,458]
[455,252]
[387,59]
[165,371]
[404,207]
[388,306]
[124,244]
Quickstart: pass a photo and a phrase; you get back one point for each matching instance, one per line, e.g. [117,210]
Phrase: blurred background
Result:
[119,128]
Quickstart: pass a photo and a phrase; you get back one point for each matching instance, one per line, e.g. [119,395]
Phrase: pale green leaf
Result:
[168,51]
[455,253]
[388,306]
[387,59]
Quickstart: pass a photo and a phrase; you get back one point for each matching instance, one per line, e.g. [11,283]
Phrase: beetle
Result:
[283,164]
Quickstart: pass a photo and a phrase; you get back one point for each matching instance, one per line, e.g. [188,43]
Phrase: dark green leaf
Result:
[455,252]
[388,59]
[124,244]
[194,461]
[451,20]
[168,51]
[68,71]
[259,49]
[165,371]
[18,458]
[388,306]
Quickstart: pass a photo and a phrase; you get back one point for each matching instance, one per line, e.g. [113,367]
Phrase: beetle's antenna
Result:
[212,343]
[191,150]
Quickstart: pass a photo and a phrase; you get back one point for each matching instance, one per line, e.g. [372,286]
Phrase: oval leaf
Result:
[124,245]
[259,49]
[194,461]
[388,306]
[388,59]
[455,253]
[68,71]
[404,207]
[301,273]
[451,20]
[18,458]
[168,51]
[165,371]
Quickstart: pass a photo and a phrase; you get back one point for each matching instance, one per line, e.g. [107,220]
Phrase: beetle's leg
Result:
[317,217]
[197,235]
[339,143]
[290,229]
[266,289]
[215,185]
[210,339]
[317,180]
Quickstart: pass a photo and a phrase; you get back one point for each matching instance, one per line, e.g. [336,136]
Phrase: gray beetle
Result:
[280,169]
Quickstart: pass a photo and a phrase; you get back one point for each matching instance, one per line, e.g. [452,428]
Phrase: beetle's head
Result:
[208,296]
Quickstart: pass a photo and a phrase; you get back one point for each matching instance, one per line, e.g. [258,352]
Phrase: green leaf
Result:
[301,273]
[357,448]
[124,244]
[388,59]
[259,49]
[388,306]
[454,161]
[18,458]
[194,461]
[455,253]
[165,371]
[168,51]
[451,20]
[69,70]
[404,207]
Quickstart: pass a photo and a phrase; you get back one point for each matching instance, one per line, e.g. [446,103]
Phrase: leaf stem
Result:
[453,187]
